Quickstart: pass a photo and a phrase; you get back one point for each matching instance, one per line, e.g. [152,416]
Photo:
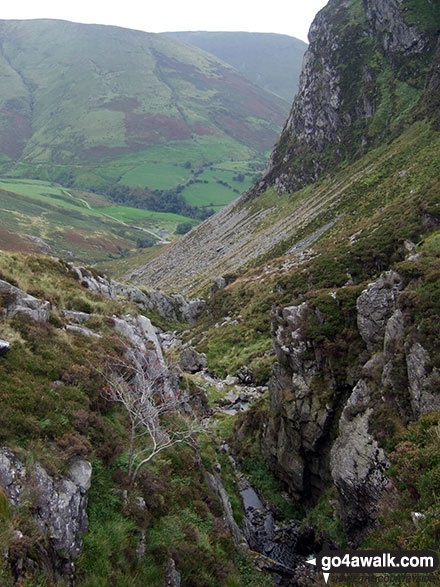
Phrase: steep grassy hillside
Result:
[268,60]
[90,105]
[54,416]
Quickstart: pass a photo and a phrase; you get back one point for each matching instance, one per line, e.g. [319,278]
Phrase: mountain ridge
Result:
[270,60]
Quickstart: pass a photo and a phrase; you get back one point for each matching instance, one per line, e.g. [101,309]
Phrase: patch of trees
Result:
[183,227]
[145,242]
[157,200]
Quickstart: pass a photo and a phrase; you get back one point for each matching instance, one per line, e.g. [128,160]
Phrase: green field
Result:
[76,224]
[128,214]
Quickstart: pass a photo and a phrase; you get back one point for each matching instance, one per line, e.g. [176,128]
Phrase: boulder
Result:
[74,316]
[83,331]
[192,361]
[17,301]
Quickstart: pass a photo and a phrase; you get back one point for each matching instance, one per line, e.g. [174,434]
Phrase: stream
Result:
[278,548]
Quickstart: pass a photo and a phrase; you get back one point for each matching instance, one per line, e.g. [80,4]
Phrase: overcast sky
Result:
[289,17]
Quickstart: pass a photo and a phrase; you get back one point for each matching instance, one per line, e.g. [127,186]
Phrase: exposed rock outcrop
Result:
[17,301]
[332,102]
[295,435]
[171,307]
[358,465]
[375,306]
[59,509]
[423,382]
[323,425]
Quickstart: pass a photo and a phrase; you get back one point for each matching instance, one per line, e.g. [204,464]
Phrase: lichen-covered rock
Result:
[358,465]
[300,416]
[59,508]
[423,382]
[17,301]
[375,306]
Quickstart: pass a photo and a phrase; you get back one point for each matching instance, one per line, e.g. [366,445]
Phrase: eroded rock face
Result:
[171,307]
[375,307]
[358,465]
[330,99]
[295,434]
[422,381]
[20,302]
[59,508]
[325,428]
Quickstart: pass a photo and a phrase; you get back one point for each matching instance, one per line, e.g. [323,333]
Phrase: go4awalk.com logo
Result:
[371,562]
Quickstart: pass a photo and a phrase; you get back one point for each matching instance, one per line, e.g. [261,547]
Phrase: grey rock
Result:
[172,577]
[423,382]
[83,331]
[375,306]
[23,303]
[95,284]
[358,466]
[192,361]
[217,285]
[140,332]
[60,506]
[230,380]
[216,486]
[74,316]
[171,307]
[42,245]
[5,346]
[299,416]
[81,474]
[394,332]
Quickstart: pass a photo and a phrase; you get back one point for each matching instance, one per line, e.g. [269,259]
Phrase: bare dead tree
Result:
[143,386]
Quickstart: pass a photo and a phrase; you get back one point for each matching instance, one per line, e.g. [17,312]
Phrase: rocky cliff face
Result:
[362,56]
[330,402]
[58,506]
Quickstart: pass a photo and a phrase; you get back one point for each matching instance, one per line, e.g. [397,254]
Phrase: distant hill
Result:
[269,60]
[91,105]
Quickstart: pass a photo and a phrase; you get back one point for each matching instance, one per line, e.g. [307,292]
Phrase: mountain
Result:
[269,60]
[90,105]
[349,103]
